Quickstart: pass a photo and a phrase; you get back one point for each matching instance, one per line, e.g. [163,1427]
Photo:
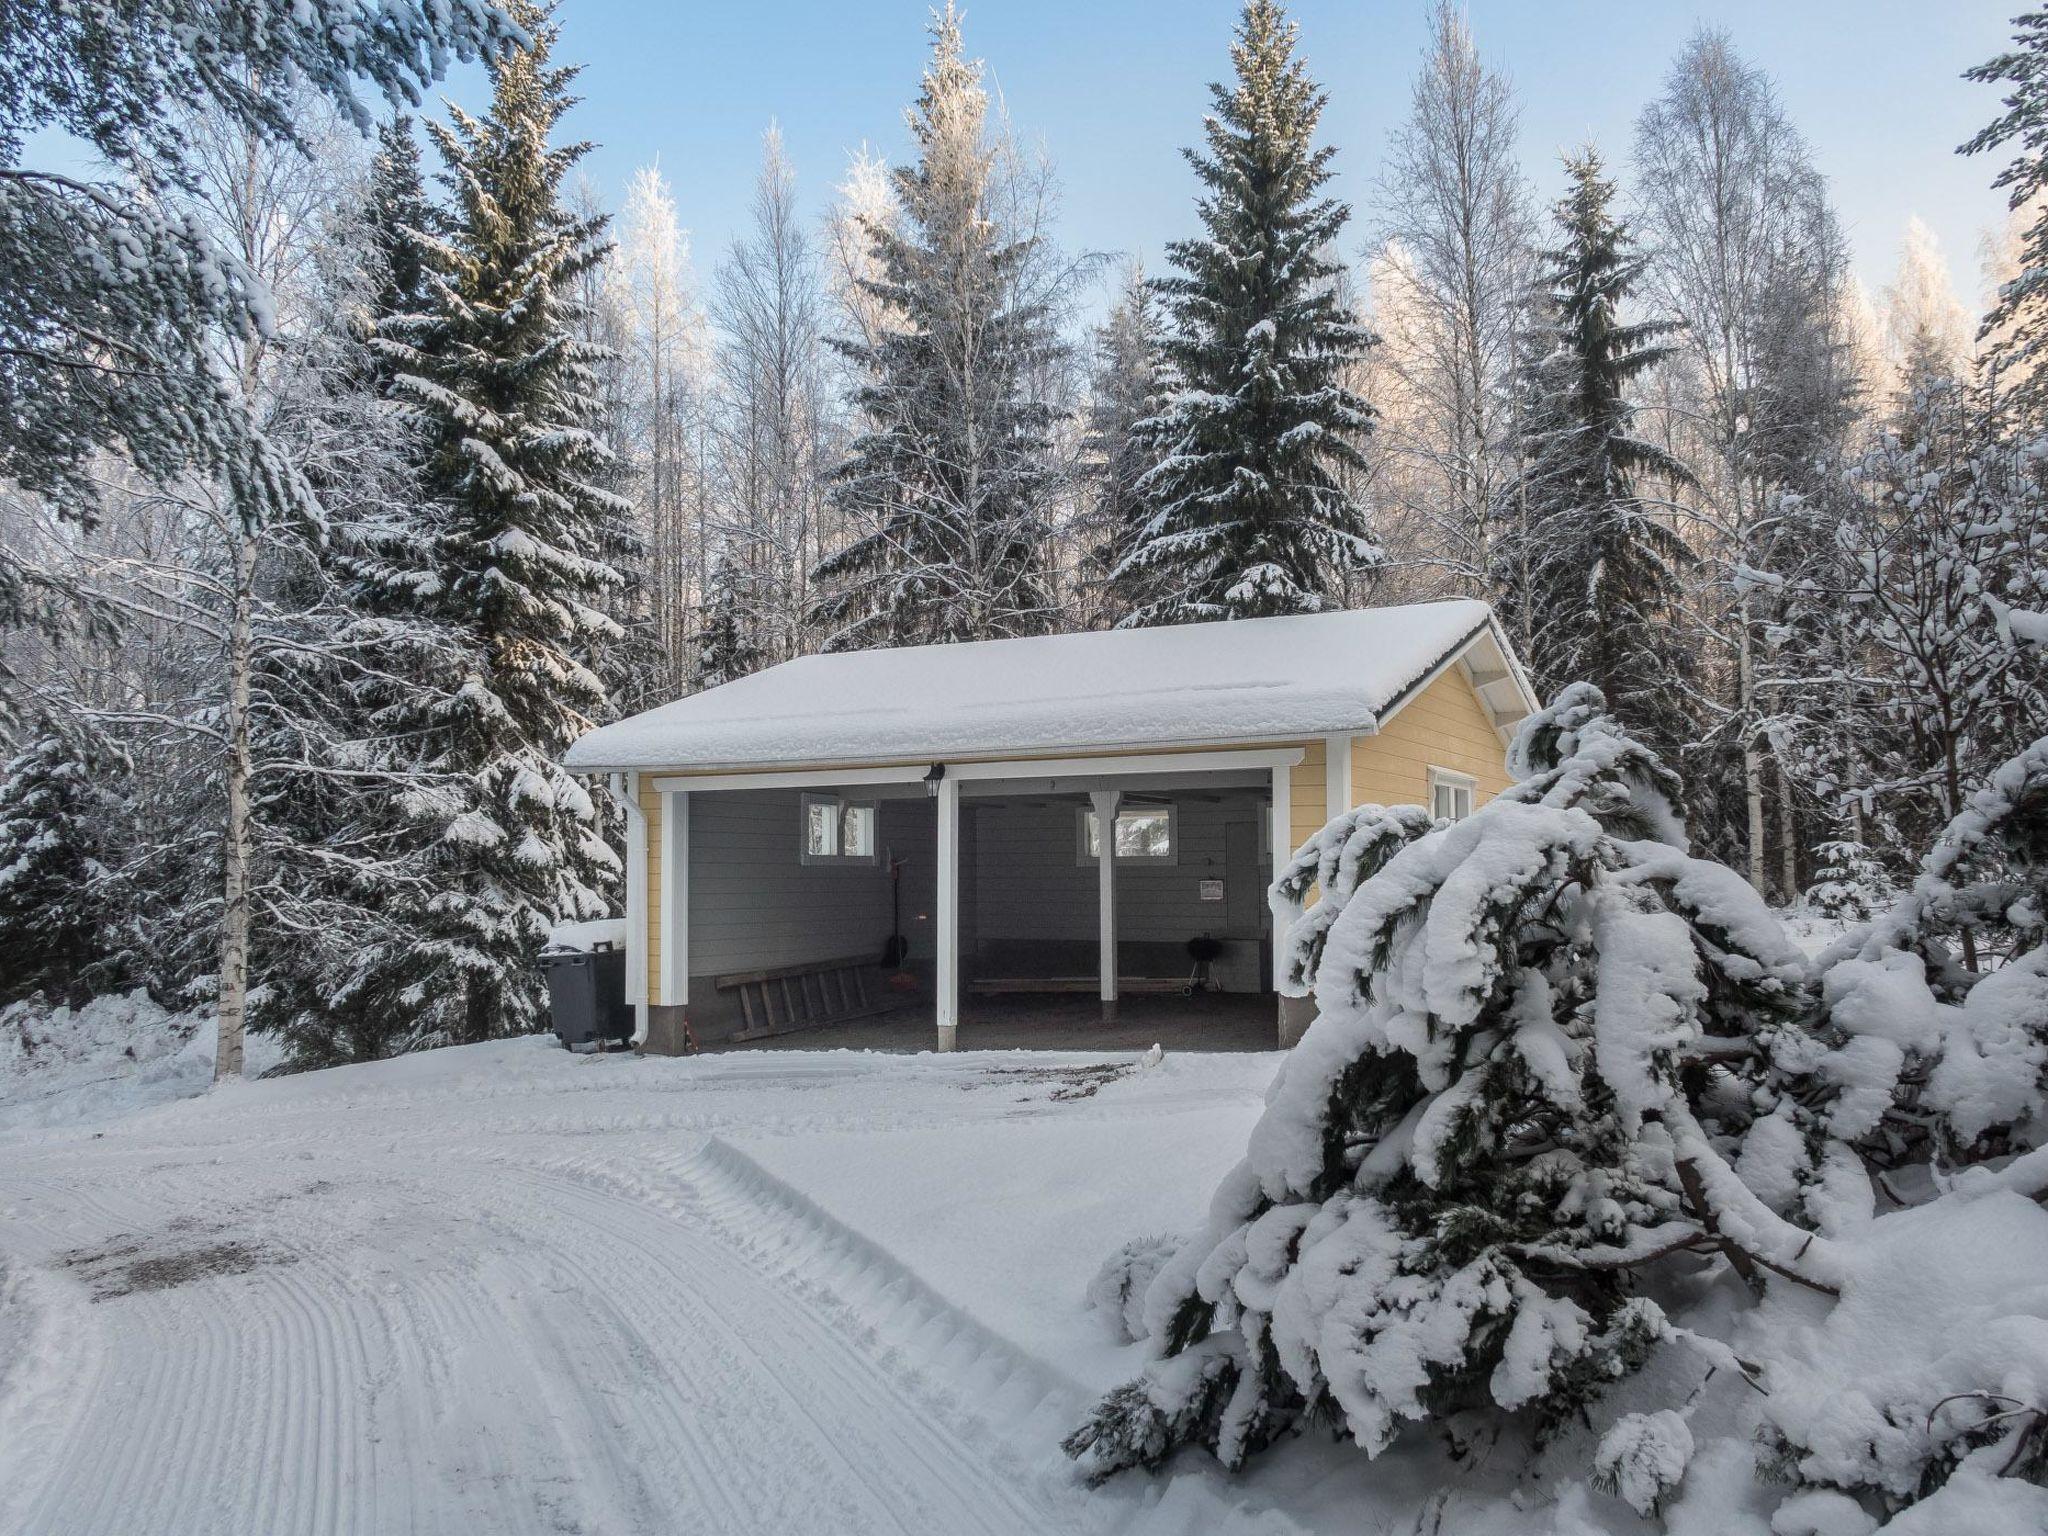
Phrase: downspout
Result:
[636,900]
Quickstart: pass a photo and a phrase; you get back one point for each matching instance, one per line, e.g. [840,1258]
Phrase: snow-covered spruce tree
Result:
[501,385]
[58,812]
[1607,573]
[1513,1102]
[726,646]
[946,489]
[1252,518]
[2018,322]
[396,213]
[1941,1002]
[1124,391]
[351,662]
[1849,881]
[1931,1063]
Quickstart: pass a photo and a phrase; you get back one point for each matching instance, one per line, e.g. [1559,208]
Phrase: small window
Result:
[838,831]
[856,831]
[1145,834]
[1450,794]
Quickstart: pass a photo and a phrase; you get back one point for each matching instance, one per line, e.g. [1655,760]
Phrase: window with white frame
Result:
[837,830]
[1450,794]
[1145,834]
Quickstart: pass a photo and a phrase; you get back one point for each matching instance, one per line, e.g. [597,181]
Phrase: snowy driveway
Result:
[475,1296]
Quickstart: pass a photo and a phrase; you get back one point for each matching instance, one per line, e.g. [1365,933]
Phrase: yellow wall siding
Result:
[1445,726]
[650,806]
[1307,794]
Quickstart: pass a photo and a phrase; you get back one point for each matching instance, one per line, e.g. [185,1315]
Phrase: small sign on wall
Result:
[1212,890]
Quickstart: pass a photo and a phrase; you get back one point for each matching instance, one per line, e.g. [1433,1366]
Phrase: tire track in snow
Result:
[829,1399]
[546,1353]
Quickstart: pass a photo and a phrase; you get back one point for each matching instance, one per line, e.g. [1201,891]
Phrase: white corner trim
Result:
[1337,797]
[675,898]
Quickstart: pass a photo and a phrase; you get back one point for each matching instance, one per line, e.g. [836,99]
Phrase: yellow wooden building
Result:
[937,810]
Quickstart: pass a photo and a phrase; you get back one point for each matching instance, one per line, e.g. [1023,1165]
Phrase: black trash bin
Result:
[587,996]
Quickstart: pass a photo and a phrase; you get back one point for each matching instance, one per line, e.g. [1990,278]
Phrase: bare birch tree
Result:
[1455,271]
[669,425]
[1744,249]
[774,418]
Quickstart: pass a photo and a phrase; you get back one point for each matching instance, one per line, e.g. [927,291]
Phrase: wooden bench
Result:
[792,997]
[998,986]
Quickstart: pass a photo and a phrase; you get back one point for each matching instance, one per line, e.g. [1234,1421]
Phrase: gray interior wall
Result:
[1026,883]
[910,832]
[754,903]
[1028,905]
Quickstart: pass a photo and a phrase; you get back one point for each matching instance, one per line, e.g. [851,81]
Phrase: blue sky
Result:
[1113,88]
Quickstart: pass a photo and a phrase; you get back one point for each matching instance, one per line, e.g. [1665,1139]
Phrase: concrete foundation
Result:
[1296,1014]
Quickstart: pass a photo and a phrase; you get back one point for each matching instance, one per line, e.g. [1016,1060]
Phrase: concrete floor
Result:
[1214,1021]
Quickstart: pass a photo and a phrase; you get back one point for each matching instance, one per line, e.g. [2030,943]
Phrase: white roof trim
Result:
[1489,637]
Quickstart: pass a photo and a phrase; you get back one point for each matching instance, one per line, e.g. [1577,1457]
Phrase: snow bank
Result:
[114,1055]
[1940,1337]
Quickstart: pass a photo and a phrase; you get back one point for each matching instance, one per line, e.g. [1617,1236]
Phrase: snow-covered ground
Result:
[115,1055]
[508,1289]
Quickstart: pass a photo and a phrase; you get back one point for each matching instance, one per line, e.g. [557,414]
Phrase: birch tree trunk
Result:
[1788,833]
[235,847]
[1752,759]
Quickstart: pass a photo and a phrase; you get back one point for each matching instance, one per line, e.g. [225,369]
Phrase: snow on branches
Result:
[1515,1097]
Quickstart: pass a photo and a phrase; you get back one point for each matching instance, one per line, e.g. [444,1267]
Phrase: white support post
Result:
[946,988]
[1283,851]
[675,899]
[1337,776]
[1106,802]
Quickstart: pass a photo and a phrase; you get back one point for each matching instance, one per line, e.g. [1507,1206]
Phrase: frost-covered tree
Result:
[945,488]
[2017,324]
[502,388]
[1747,256]
[1455,220]
[59,826]
[668,413]
[1254,514]
[1501,1117]
[727,648]
[111,301]
[1927,330]
[1606,568]
[776,423]
[1945,529]
[1124,391]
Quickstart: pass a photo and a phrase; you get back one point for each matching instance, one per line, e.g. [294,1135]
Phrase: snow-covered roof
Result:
[1248,680]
